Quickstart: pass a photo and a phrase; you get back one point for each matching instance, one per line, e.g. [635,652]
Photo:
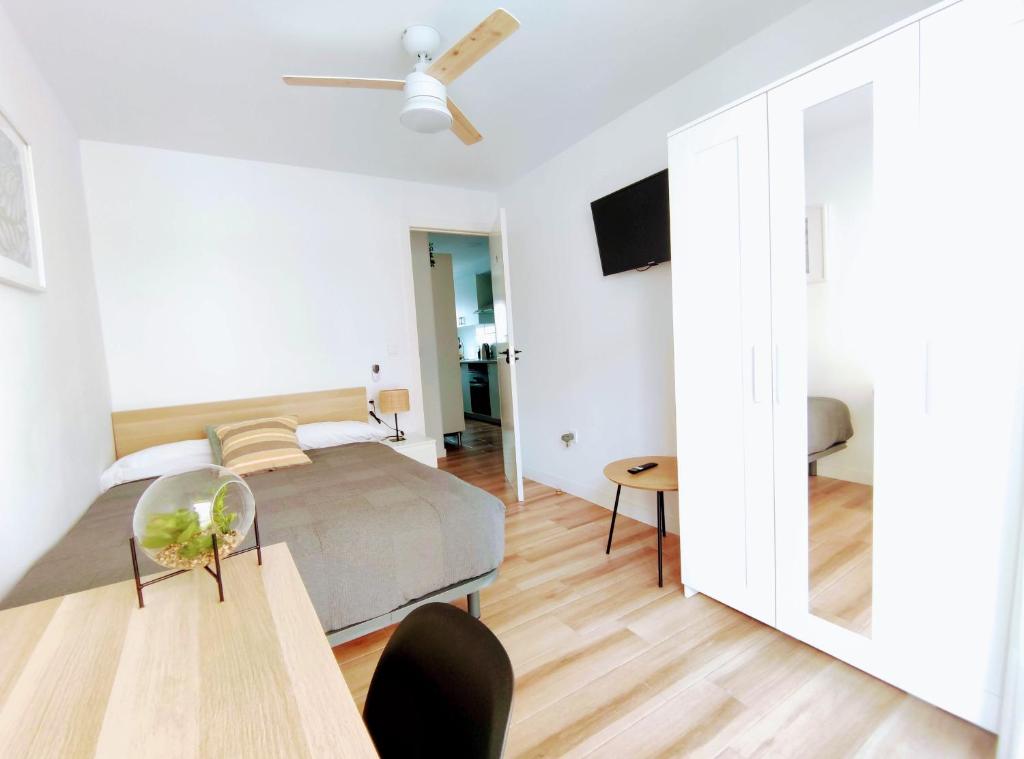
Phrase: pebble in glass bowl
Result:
[178,516]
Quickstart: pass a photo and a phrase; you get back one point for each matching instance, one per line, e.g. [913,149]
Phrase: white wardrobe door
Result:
[949,421]
[883,77]
[961,525]
[718,173]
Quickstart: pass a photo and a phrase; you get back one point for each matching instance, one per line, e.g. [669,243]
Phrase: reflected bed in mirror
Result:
[840,410]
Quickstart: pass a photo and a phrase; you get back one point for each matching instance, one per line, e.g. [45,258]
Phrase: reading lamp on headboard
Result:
[393,402]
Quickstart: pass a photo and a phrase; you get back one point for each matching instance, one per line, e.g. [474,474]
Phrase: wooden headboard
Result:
[135,430]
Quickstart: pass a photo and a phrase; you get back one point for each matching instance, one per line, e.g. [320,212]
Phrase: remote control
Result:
[642,467]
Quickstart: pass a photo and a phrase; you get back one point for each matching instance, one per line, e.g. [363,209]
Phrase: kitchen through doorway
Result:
[461,340]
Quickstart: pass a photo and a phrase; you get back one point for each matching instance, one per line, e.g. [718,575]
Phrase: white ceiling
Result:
[204,75]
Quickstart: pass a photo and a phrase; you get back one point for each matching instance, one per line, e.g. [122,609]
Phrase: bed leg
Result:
[473,604]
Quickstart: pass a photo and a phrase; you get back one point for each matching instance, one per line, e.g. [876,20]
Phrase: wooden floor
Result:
[607,664]
[840,527]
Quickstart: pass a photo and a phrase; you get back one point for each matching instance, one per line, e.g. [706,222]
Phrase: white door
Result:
[814,127]
[968,357]
[718,177]
[507,354]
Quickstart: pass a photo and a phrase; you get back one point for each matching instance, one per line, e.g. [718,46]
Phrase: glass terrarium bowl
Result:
[179,514]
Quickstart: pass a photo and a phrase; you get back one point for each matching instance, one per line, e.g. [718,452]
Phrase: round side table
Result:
[660,479]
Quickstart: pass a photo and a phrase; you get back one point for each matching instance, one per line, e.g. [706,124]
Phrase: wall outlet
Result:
[569,438]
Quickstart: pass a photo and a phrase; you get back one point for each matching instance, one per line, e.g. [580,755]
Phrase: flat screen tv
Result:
[632,225]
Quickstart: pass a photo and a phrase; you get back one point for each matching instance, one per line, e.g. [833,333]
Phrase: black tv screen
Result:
[632,225]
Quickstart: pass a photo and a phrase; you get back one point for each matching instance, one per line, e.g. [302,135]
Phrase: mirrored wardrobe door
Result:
[840,302]
[838,156]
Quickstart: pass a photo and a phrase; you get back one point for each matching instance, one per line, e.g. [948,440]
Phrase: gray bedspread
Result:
[370,530]
[828,423]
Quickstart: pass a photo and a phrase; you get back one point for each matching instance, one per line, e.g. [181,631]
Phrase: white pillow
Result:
[157,461]
[328,434]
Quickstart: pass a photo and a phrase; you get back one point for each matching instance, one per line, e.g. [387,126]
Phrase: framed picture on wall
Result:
[21,257]
[814,241]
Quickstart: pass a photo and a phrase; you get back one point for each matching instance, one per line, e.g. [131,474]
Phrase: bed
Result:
[373,533]
[829,427]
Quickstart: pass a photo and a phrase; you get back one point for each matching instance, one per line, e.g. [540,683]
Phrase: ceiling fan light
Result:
[426,114]
[426,108]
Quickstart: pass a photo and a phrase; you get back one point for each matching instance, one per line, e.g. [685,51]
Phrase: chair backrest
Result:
[442,687]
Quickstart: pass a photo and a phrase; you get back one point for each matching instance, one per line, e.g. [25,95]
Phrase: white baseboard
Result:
[636,504]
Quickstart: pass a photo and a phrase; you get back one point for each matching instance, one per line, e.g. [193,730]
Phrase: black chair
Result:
[442,687]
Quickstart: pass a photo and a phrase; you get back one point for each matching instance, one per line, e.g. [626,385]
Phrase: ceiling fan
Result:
[427,105]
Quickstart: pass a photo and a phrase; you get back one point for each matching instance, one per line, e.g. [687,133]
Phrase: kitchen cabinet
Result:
[480,394]
[484,298]
[466,404]
[492,384]
[474,299]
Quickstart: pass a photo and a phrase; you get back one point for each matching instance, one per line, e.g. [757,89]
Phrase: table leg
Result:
[615,512]
[661,527]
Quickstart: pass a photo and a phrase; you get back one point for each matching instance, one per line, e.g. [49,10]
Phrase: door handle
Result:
[505,354]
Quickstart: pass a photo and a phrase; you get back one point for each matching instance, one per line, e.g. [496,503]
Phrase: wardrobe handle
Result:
[926,377]
[775,373]
[754,394]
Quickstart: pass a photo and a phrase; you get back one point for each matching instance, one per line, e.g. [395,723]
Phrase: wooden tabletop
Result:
[91,674]
[663,477]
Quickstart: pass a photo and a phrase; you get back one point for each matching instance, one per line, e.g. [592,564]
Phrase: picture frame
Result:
[21,255]
[814,244]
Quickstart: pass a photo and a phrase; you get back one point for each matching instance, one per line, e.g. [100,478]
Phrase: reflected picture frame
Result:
[21,255]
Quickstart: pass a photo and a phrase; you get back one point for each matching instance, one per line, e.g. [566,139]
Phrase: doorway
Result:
[463,332]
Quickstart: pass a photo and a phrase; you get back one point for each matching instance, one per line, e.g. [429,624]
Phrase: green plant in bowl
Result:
[179,534]
[180,514]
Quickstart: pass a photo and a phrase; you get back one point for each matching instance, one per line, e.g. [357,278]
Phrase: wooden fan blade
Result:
[464,130]
[344,81]
[487,35]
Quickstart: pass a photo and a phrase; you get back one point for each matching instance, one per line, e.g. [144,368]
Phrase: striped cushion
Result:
[260,444]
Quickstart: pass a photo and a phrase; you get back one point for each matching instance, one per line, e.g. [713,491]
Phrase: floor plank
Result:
[609,665]
[698,722]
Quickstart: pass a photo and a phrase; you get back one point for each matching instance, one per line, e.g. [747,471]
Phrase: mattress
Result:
[370,530]
[828,423]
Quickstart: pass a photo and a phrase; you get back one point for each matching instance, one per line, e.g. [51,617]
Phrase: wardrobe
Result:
[853,234]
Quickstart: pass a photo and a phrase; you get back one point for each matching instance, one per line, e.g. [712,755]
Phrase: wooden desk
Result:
[91,674]
[664,477]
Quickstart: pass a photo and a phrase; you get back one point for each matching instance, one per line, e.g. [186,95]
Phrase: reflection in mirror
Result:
[840,406]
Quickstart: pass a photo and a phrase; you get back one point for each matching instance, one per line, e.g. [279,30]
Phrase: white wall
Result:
[597,352]
[222,278]
[840,310]
[54,401]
